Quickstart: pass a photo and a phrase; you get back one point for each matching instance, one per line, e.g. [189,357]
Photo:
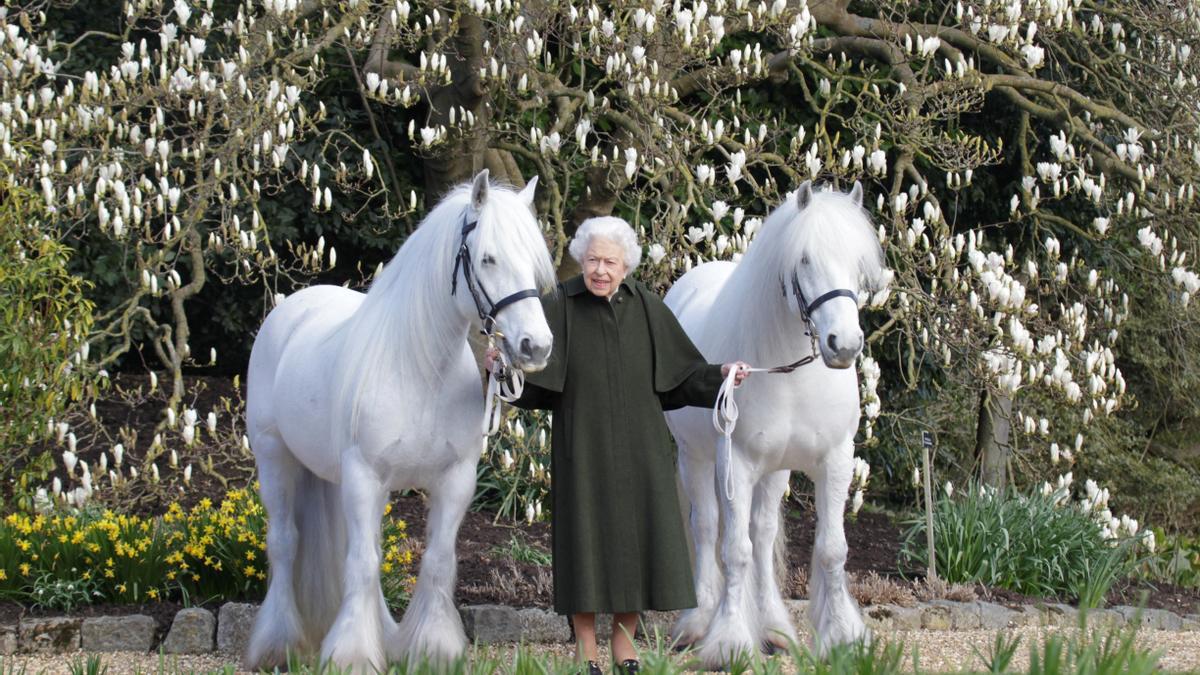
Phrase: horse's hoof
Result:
[680,647]
[771,647]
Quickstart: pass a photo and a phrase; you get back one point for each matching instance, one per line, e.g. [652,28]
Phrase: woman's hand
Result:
[490,358]
[743,371]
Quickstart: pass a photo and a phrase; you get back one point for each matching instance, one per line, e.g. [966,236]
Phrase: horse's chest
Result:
[795,430]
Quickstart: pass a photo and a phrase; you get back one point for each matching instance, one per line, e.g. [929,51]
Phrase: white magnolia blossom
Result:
[185,131]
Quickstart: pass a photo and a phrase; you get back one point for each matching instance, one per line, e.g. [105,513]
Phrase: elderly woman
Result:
[620,358]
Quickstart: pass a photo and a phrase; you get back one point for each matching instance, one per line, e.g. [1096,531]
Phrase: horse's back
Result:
[291,338]
[317,306]
[691,296]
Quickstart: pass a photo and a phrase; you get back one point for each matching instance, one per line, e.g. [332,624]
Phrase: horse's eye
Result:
[488,260]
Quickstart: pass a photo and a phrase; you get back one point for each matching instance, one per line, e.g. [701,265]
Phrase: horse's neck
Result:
[762,330]
[451,349]
[417,346]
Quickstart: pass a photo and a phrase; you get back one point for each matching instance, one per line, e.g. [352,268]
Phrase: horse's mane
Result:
[408,324]
[833,231]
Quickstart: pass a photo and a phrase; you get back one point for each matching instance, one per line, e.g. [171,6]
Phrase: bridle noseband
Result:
[806,312]
[478,293]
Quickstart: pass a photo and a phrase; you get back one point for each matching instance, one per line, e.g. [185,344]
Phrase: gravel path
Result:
[943,651]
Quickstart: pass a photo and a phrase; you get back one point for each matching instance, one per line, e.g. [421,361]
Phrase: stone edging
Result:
[198,631]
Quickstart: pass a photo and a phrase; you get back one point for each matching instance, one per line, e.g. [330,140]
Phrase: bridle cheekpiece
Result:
[480,295]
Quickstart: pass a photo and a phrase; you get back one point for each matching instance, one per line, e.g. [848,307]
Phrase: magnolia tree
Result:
[1030,164]
[163,155]
[169,150]
[1030,160]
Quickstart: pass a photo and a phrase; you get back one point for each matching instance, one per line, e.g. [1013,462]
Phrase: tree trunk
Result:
[992,439]
[461,158]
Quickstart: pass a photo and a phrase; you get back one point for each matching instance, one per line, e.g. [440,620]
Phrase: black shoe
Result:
[629,666]
[593,668]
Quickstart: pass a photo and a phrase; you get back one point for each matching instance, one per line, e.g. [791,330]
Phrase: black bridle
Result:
[806,312]
[478,293]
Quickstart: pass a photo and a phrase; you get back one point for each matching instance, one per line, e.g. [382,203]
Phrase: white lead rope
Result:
[725,417]
[725,410]
[507,389]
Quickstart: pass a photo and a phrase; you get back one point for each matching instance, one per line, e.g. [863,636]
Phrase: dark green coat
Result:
[619,544]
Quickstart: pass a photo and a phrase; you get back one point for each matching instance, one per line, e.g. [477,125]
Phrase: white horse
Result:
[351,396]
[795,288]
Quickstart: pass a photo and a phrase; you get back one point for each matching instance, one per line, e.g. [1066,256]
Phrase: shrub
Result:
[42,338]
[514,475]
[1037,544]
[207,552]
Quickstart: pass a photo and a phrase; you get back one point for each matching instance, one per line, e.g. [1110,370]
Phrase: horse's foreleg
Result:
[432,628]
[278,628]
[834,614]
[696,476]
[355,643]
[775,621]
[733,629]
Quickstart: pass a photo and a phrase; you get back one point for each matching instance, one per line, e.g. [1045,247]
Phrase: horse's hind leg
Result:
[432,628]
[834,614]
[277,626]
[355,643]
[775,621]
[696,476]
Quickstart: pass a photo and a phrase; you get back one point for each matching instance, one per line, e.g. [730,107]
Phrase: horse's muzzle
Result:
[840,353]
[530,355]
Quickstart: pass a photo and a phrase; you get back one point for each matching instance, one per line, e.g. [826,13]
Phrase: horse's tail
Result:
[320,554]
[299,623]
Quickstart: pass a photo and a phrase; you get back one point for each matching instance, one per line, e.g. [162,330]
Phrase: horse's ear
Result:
[804,194]
[856,193]
[528,191]
[479,190]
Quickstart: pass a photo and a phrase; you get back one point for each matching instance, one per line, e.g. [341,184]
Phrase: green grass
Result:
[1110,652]
[92,665]
[1086,652]
[520,549]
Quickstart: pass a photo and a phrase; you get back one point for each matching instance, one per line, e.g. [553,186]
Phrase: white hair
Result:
[611,228]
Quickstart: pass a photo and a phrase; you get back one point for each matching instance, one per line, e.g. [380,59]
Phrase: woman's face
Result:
[603,266]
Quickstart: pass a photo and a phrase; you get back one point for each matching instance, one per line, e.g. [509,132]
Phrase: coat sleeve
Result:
[699,388]
[681,375]
[543,388]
